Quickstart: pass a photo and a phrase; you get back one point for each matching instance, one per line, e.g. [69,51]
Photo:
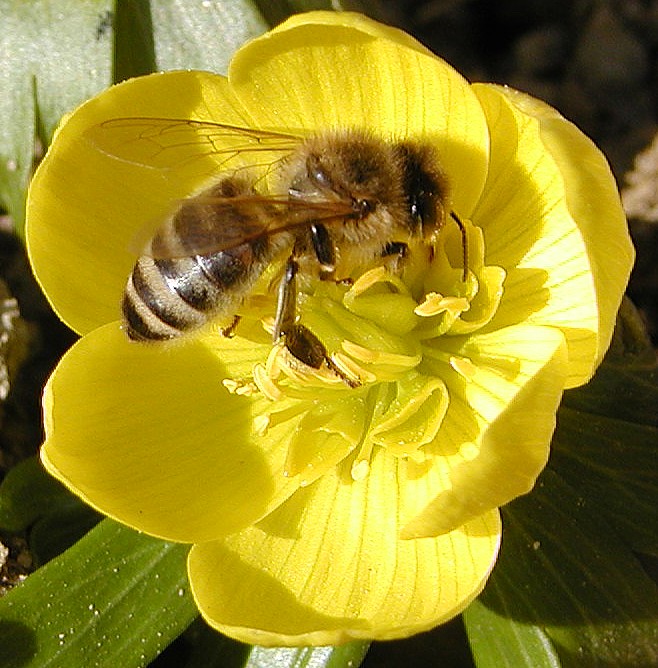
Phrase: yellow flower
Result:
[321,512]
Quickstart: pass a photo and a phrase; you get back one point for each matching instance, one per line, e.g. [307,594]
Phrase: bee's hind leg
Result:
[299,340]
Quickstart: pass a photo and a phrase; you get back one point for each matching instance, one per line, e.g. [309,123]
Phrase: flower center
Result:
[384,335]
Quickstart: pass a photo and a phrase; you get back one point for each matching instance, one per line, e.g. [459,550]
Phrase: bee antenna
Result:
[462,228]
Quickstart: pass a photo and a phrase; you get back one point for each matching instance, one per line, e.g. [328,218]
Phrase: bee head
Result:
[351,166]
[425,188]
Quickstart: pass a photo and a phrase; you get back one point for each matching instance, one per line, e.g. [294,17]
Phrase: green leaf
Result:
[499,641]
[568,589]
[202,35]
[212,650]
[180,34]
[116,598]
[351,654]
[53,55]
[28,493]
[276,11]
[31,499]
[606,442]
[563,571]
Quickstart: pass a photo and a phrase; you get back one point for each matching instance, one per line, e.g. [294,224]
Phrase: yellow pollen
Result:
[463,366]
[435,303]
[230,384]
[242,388]
[360,470]
[361,465]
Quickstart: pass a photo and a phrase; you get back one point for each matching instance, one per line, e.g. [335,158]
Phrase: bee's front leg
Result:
[324,250]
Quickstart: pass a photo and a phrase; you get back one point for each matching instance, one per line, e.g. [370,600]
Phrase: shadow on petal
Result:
[148,435]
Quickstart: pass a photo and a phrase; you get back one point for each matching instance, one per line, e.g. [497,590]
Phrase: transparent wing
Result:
[171,143]
[206,224]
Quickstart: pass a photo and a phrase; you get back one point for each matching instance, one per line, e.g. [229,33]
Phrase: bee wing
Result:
[206,224]
[171,143]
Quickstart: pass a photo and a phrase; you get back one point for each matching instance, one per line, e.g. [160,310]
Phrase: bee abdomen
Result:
[166,297]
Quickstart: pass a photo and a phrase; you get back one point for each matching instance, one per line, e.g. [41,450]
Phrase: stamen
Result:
[363,354]
[463,366]
[375,356]
[469,451]
[265,383]
[246,390]
[268,324]
[349,368]
[435,303]
[230,384]
[243,388]
[272,363]
[261,424]
[367,280]
[360,469]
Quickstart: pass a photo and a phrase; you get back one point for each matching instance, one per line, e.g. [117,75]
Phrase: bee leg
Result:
[229,330]
[398,251]
[299,340]
[324,251]
[286,307]
[326,255]
[398,248]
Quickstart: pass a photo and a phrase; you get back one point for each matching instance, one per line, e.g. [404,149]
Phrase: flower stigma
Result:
[383,382]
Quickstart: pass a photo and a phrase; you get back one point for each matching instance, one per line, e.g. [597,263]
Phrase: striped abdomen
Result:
[166,297]
[180,284]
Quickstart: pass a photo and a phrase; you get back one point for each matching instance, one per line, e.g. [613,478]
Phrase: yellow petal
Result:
[593,202]
[534,229]
[496,435]
[148,435]
[85,208]
[326,70]
[328,566]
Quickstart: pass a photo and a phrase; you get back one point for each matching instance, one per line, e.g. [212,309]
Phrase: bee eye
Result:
[317,172]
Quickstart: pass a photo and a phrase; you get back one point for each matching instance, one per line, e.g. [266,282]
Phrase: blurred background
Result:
[596,61]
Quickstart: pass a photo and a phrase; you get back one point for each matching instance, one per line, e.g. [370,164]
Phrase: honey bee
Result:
[340,199]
